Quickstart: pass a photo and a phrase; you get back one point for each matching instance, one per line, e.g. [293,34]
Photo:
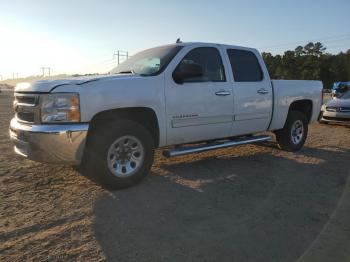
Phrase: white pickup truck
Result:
[208,95]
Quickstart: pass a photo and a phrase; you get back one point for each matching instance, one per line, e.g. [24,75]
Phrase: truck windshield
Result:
[149,62]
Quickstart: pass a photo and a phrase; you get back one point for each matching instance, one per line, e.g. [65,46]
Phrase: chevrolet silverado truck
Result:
[184,97]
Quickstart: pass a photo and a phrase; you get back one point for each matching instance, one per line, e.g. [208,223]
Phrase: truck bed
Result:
[287,91]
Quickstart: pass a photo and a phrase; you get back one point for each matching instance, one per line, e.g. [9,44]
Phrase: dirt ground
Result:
[249,203]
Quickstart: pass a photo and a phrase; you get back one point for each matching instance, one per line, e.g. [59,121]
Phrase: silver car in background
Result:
[340,88]
[336,110]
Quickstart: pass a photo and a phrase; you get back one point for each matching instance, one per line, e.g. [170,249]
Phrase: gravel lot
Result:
[249,203]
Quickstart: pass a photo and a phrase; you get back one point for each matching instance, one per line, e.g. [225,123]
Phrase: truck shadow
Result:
[264,206]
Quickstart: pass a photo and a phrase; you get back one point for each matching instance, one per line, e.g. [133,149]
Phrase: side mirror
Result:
[186,71]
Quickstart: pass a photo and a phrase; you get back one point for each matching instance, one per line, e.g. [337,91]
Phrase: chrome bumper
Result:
[328,116]
[62,144]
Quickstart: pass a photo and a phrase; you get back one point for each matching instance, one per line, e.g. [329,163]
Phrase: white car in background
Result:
[336,110]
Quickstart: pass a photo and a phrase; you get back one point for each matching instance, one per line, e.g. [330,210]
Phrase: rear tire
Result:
[119,154]
[294,133]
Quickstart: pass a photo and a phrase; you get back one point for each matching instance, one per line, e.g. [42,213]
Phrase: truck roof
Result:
[215,44]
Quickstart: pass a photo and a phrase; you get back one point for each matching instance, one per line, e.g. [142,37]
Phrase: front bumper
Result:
[62,143]
[343,117]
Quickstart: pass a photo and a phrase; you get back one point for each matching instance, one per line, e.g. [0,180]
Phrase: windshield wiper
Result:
[126,72]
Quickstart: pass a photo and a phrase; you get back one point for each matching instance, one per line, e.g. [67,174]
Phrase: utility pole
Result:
[119,54]
[44,69]
[14,75]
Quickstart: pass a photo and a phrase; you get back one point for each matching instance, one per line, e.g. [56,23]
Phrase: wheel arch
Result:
[304,106]
[145,116]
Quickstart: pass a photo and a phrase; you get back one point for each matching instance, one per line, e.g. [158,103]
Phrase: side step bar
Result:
[207,147]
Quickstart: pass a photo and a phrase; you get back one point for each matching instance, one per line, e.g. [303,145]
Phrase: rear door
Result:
[201,108]
[252,92]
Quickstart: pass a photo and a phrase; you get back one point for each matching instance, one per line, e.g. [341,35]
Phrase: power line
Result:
[340,45]
[45,69]
[312,40]
[322,39]
[325,45]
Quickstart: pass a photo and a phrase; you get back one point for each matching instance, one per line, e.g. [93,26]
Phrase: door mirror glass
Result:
[187,71]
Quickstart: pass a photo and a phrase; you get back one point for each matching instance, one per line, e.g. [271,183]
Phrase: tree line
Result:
[310,62]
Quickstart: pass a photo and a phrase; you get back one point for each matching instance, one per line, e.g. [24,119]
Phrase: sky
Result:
[80,36]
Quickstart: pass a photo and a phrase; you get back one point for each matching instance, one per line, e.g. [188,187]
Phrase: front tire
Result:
[294,133]
[119,154]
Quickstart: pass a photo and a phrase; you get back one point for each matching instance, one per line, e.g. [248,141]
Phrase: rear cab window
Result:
[245,66]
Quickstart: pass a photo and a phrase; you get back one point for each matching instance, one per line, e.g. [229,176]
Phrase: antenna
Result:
[178,41]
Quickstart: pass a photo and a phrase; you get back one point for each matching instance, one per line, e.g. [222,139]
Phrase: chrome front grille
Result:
[344,109]
[29,99]
[26,108]
[331,108]
[338,109]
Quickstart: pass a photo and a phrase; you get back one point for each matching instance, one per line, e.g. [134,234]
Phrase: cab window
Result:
[245,66]
[209,59]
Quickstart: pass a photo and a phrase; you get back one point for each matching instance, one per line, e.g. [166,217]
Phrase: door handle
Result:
[262,91]
[222,93]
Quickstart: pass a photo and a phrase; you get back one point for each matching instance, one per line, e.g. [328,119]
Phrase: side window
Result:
[245,66]
[209,59]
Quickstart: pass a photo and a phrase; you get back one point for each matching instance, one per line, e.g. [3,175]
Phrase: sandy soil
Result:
[250,203]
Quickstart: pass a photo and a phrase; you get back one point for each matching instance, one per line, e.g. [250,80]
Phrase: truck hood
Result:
[46,86]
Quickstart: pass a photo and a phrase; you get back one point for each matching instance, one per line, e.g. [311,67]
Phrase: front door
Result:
[201,108]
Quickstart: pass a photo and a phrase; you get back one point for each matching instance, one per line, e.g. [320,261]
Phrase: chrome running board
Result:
[207,147]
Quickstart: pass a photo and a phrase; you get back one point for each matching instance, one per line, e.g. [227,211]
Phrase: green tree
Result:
[309,62]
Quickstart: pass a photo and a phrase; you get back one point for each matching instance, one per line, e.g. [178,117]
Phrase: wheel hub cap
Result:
[297,132]
[125,156]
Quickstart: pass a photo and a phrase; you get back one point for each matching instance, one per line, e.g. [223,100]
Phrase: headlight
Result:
[60,107]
